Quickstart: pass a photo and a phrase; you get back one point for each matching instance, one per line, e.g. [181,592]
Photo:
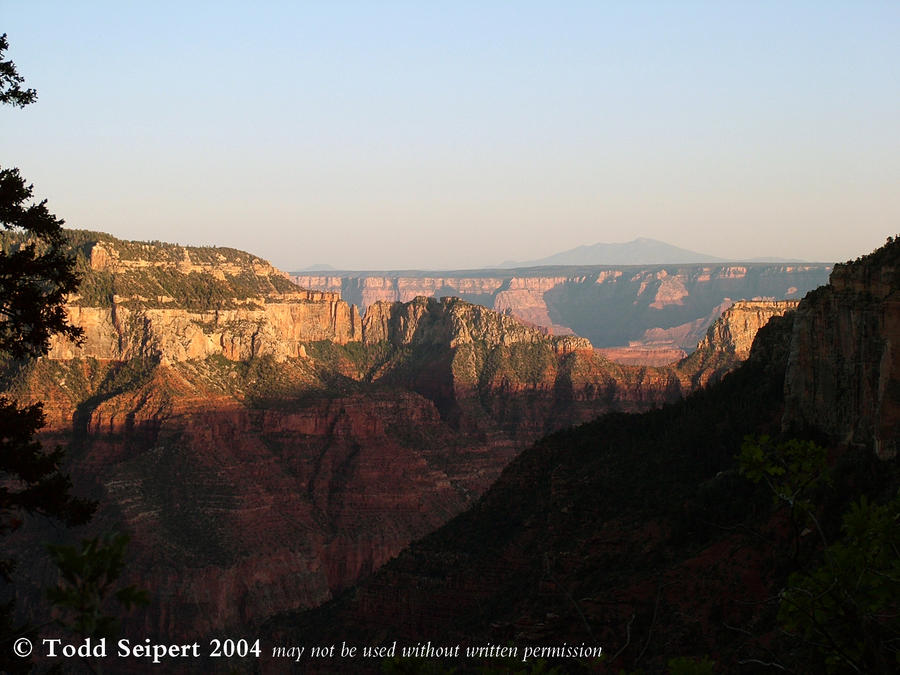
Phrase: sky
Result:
[454,135]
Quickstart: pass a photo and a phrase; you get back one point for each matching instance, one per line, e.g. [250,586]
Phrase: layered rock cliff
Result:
[172,303]
[280,329]
[844,370]
[729,339]
[656,307]
[477,365]
[736,329]
[454,322]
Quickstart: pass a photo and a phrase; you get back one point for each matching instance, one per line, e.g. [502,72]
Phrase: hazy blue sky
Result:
[460,134]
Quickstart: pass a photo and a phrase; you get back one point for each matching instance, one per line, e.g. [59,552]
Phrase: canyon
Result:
[267,446]
[637,313]
[642,534]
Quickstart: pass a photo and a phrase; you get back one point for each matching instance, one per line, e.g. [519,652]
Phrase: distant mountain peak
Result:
[639,251]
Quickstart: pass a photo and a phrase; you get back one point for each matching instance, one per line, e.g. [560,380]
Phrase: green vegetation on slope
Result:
[156,274]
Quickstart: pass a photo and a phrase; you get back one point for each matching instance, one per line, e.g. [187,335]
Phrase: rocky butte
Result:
[266,447]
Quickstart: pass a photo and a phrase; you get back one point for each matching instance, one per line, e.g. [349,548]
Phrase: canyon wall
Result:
[455,322]
[844,371]
[279,329]
[241,510]
[651,307]
[172,303]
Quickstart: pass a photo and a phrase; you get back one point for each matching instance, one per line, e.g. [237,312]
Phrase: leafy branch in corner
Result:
[793,470]
[841,611]
[849,607]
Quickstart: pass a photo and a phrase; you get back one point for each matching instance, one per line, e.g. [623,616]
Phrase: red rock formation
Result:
[240,512]
[728,340]
[735,330]
[640,355]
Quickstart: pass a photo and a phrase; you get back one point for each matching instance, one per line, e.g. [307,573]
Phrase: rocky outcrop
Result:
[174,303]
[658,306]
[729,339]
[454,322]
[844,371]
[735,330]
[106,254]
[123,332]
[479,365]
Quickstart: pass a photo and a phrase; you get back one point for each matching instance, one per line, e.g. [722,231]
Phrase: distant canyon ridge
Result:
[640,313]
